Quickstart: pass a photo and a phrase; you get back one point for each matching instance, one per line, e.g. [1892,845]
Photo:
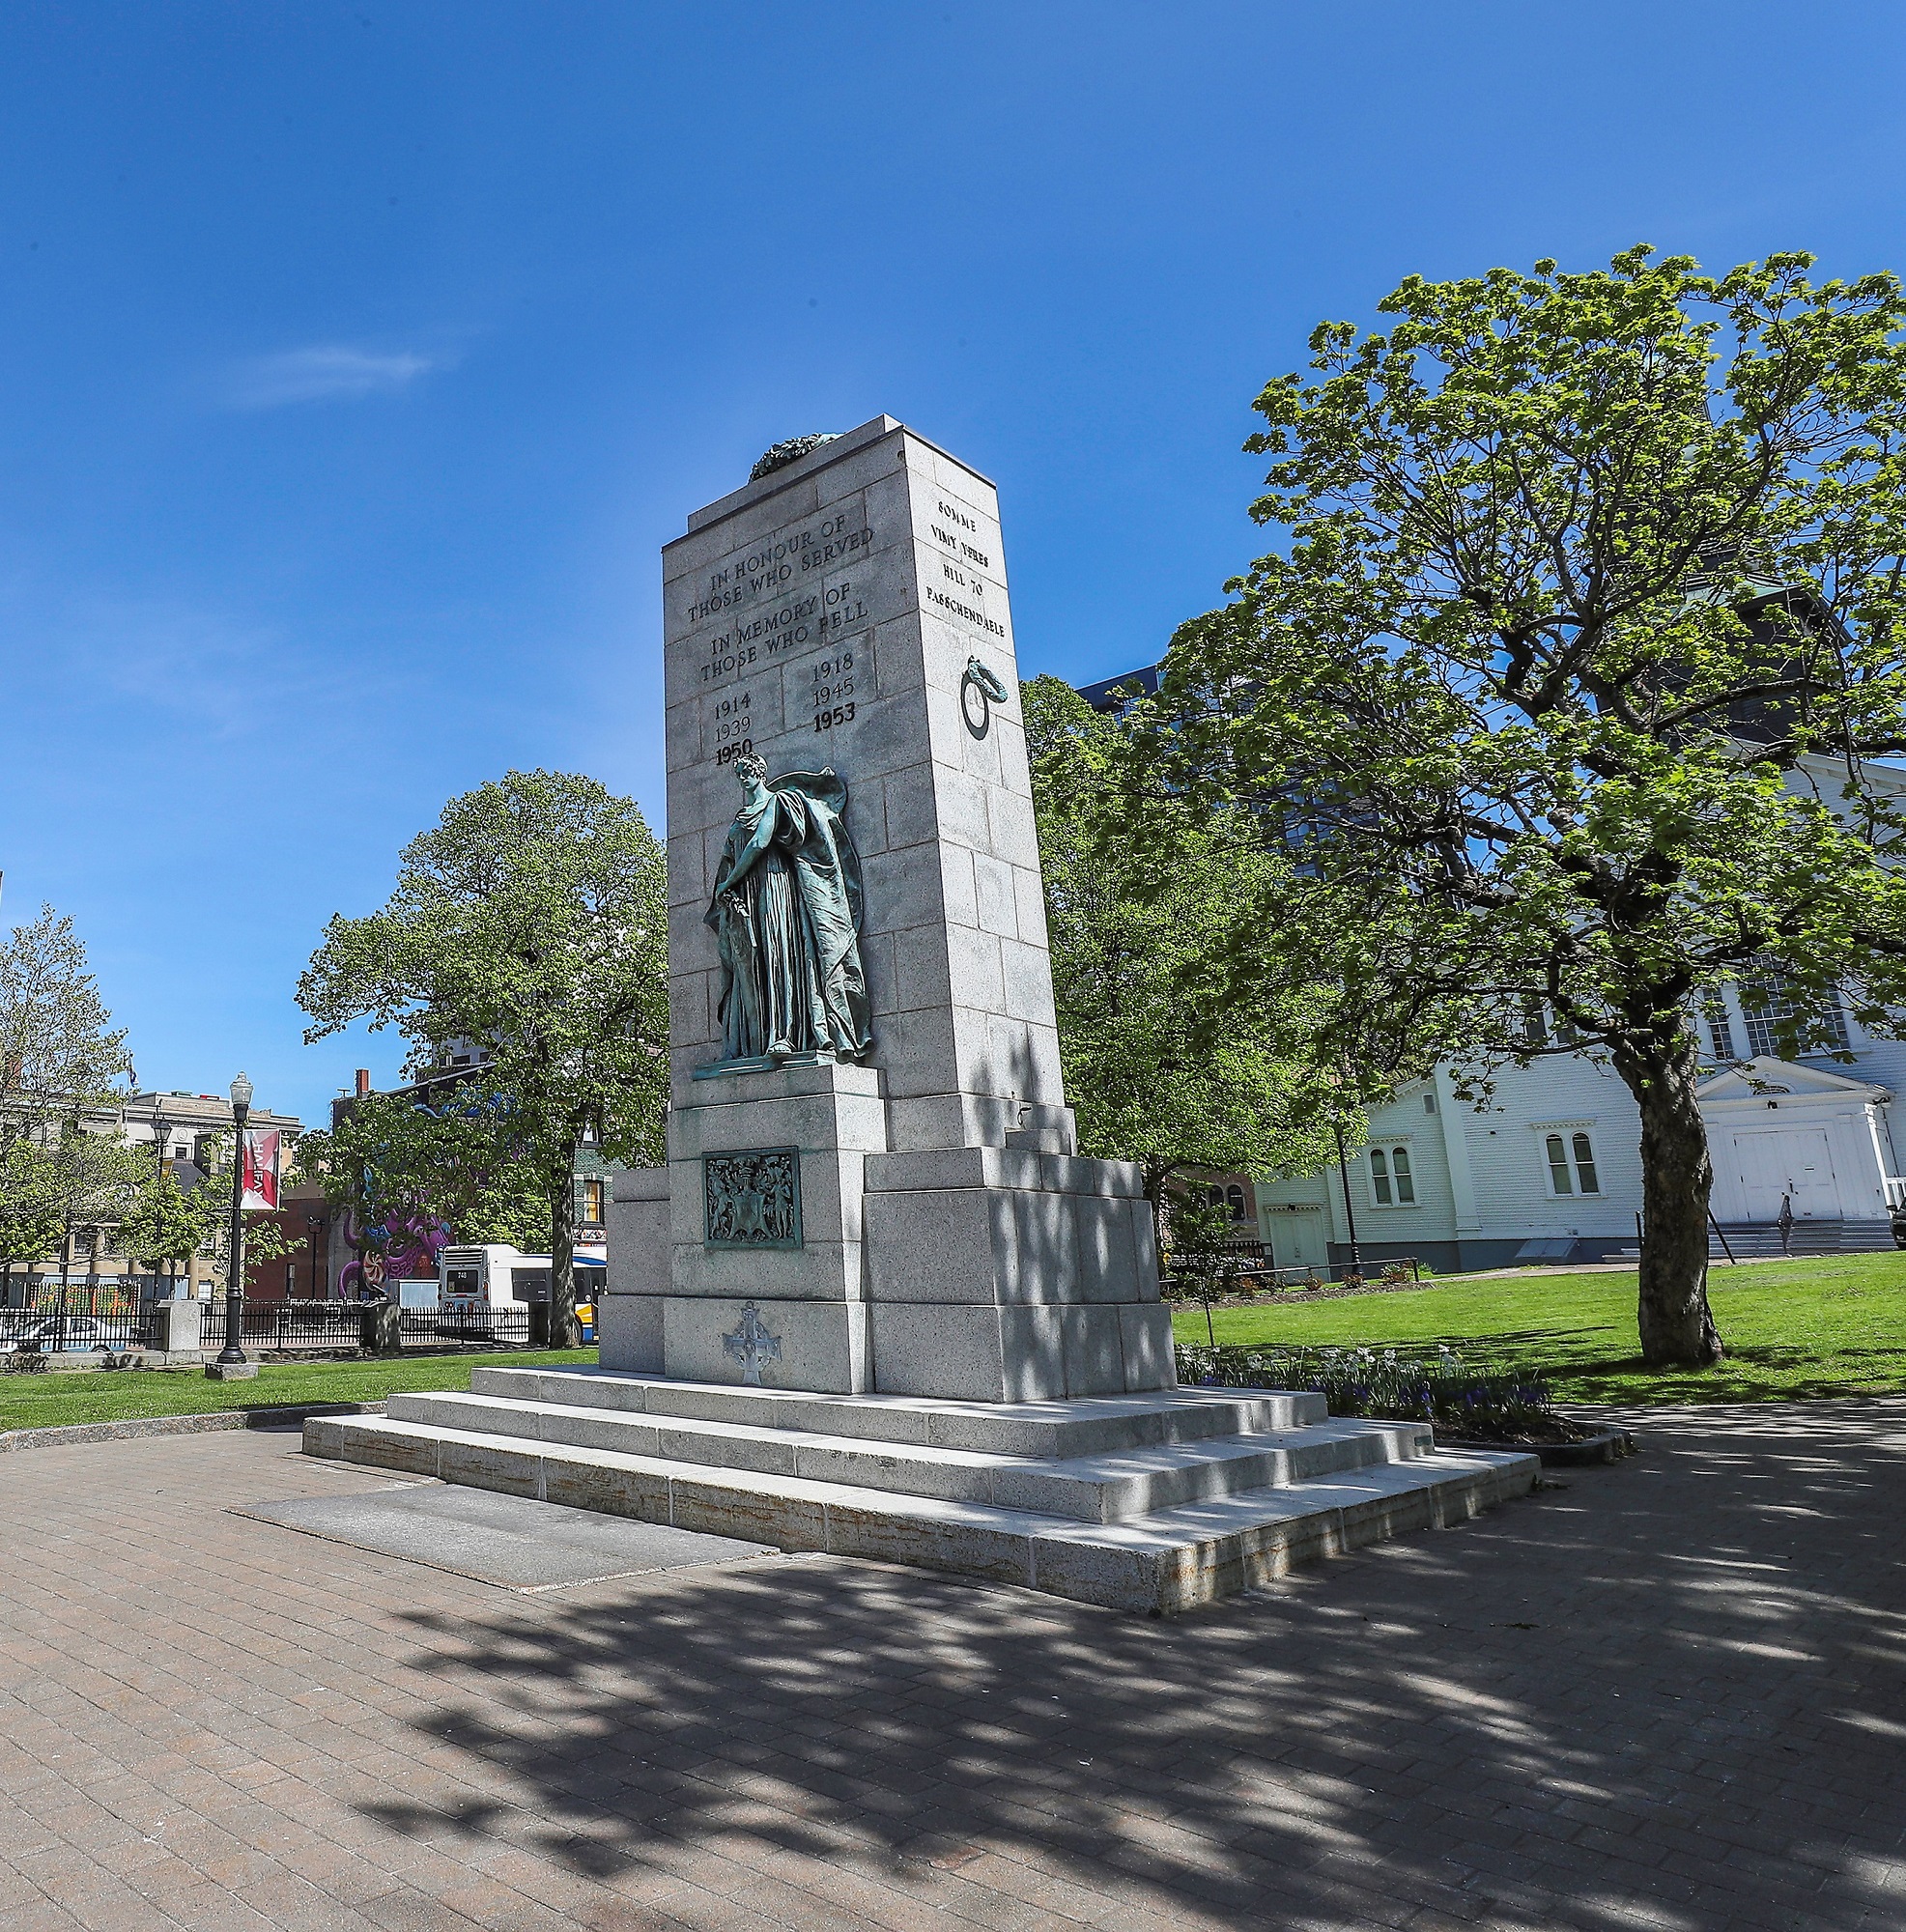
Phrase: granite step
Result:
[1084,1426]
[1104,1488]
[1164,1561]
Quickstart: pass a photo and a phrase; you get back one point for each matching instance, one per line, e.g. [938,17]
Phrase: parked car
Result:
[44,1337]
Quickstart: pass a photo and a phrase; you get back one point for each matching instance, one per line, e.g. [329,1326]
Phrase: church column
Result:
[1453,1127]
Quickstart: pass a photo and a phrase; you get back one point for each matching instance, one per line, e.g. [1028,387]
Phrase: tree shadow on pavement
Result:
[1664,1694]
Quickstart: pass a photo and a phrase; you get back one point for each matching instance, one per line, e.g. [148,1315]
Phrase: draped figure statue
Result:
[786,914]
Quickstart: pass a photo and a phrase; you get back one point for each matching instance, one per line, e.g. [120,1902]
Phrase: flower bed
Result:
[1474,1397]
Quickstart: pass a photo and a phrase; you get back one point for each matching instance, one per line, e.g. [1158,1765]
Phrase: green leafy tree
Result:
[1562,686]
[163,1222]
[453,1161]
[532,917]
[32,1205]
[59,1054]
[168,1223]
[92,1179]
[1137,927]
[61,1063]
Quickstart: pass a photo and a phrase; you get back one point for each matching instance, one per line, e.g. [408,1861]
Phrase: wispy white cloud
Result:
[324,372]
[109,661]
[91,664]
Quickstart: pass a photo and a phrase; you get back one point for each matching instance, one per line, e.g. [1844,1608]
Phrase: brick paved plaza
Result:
[1667,1695]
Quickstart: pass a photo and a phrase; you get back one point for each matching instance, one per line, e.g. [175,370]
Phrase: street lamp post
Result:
[314,1222]
[1349,1212]
[1340,1080]
[232,1355]
[161,1143]
[66,1281]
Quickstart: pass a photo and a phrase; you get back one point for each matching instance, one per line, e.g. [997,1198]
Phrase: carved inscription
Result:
[960,592]
[752,1198]
[831,692]
[785,631]
[958,545]
[959,607]
[774,565]
[733,723]
[774,607]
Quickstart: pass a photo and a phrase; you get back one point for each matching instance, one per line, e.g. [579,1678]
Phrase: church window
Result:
[1570,1164]
[1406,1182]
[1720,1030]
[1584,1165]
[1559,1179]
[1773,1004]
[1392,1184]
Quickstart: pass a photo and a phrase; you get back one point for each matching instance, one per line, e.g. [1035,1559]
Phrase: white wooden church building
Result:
[1549,1166]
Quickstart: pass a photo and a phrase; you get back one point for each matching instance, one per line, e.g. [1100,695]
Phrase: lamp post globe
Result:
[234,1349]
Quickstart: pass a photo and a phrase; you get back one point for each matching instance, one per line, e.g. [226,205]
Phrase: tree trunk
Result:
[1157,1175]
[1676,1323]
[565,1331]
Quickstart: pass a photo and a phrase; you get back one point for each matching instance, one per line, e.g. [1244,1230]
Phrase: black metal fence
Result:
[340,1324]
[73,1329]
[1232,1267]
[285,1324]
[466,1328]
[104,1324]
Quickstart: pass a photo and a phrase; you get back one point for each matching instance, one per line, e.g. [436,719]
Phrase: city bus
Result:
[499,1276]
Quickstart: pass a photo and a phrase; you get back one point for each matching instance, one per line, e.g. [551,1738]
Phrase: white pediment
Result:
[1768,1079]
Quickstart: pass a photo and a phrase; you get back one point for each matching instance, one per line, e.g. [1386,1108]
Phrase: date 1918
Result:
[841,714]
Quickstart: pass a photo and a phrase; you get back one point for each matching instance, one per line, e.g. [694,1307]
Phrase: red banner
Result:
[261,1167]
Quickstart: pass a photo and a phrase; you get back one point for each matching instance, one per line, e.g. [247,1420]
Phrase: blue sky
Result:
[357,360]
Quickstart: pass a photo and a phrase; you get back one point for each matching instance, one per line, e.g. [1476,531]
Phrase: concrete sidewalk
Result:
[1667,1695]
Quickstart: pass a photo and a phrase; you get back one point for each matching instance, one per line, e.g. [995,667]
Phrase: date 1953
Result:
[833,678]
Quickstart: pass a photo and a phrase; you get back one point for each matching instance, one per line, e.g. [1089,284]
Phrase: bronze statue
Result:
[786,913]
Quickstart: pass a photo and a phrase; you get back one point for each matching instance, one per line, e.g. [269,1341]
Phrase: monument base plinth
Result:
[958,1351]
[810,1345]
[980,1352]
[1153,1503]
[972,1274]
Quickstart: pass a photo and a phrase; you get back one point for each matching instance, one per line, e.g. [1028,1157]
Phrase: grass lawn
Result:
[1817,1327]
[50,1400]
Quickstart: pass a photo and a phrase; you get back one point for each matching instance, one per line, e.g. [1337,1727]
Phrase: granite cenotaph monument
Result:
[873,1182]
[875,1303]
